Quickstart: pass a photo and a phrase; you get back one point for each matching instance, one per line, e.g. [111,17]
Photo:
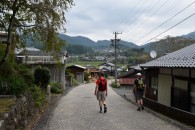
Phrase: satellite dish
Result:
[153,54]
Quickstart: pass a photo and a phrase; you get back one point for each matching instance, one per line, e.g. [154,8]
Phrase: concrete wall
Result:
[164,89]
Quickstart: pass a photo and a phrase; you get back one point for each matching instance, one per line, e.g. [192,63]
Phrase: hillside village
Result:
[126,73]
[50,80]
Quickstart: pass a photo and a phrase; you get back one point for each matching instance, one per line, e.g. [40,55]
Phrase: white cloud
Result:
[98,19]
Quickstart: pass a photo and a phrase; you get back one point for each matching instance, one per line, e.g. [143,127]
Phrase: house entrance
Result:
[79,77]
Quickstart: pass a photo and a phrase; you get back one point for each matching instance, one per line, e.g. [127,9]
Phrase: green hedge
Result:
[42,77]
[39,95]
[14,79]
[56,87]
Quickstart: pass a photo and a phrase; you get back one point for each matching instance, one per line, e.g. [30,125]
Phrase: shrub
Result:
[14,78]
[26,73]
[12,81]
[86,76]
[115,85]
[74,82]
[42,77]
[17,85]
[56,87]
[13,86]
[106,75]
[39,95]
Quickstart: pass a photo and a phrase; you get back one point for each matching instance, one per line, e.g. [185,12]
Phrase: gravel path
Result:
[78,110]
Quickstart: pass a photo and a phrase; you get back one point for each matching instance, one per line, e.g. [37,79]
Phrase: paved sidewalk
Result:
[43,121]
[127,93]
[78,110]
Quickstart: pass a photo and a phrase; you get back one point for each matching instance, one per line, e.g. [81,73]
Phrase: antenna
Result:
[153,54]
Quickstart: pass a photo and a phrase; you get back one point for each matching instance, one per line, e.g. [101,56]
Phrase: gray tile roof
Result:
[128,73]
[77,66]
[34,53]
[37,53]
[184,57]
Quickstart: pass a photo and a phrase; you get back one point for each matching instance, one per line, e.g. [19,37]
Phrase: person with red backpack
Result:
[101,92]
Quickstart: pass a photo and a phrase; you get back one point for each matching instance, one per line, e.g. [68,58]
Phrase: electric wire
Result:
[151,15]
[141,12]
[151,25]
[137,26]
[170,28]
[165,21]
[124,20]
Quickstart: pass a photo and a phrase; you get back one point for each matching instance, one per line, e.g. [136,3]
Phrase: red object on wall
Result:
[126,81]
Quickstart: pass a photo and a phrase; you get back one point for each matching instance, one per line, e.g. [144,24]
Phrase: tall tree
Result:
[37,19]
[171,44]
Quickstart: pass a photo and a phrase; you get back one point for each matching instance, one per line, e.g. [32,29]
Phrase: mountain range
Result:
[84,41]
[106,44]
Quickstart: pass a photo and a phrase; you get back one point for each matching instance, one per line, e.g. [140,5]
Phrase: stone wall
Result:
[20,115]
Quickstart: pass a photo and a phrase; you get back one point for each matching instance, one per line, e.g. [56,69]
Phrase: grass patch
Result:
[6,105]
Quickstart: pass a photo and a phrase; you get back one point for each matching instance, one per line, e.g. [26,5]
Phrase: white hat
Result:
[138,74]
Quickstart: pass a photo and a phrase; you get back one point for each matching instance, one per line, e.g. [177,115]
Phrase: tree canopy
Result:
[38,19]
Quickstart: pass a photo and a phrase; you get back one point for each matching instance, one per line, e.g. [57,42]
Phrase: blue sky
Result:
[136,19]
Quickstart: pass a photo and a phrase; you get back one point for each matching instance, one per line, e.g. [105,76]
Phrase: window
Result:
[154,82]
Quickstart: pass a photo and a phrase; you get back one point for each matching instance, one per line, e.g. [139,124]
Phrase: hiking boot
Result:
[105,109]
[139,109]
[100,110]
[142,107]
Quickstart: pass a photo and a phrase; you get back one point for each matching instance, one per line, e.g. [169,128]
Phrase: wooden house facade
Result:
[170,82]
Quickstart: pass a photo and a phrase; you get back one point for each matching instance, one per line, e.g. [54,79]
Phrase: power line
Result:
[165,21]
[153,6]
[152,14]
[144,10]
[125,20]
[171,27]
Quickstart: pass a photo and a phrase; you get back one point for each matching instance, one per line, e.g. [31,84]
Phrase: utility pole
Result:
[115,42]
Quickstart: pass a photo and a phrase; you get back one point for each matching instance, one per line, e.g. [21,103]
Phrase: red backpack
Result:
[102,85]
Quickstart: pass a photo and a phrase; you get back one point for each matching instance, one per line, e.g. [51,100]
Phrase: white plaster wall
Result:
[164,89]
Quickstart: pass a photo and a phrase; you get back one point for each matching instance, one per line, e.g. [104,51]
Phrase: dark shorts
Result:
[139,95]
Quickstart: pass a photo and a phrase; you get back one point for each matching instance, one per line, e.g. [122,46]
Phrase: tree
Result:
[171,44]
[36,19]
[42,77]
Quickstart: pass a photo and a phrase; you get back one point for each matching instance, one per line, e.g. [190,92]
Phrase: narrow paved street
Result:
[78,110]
